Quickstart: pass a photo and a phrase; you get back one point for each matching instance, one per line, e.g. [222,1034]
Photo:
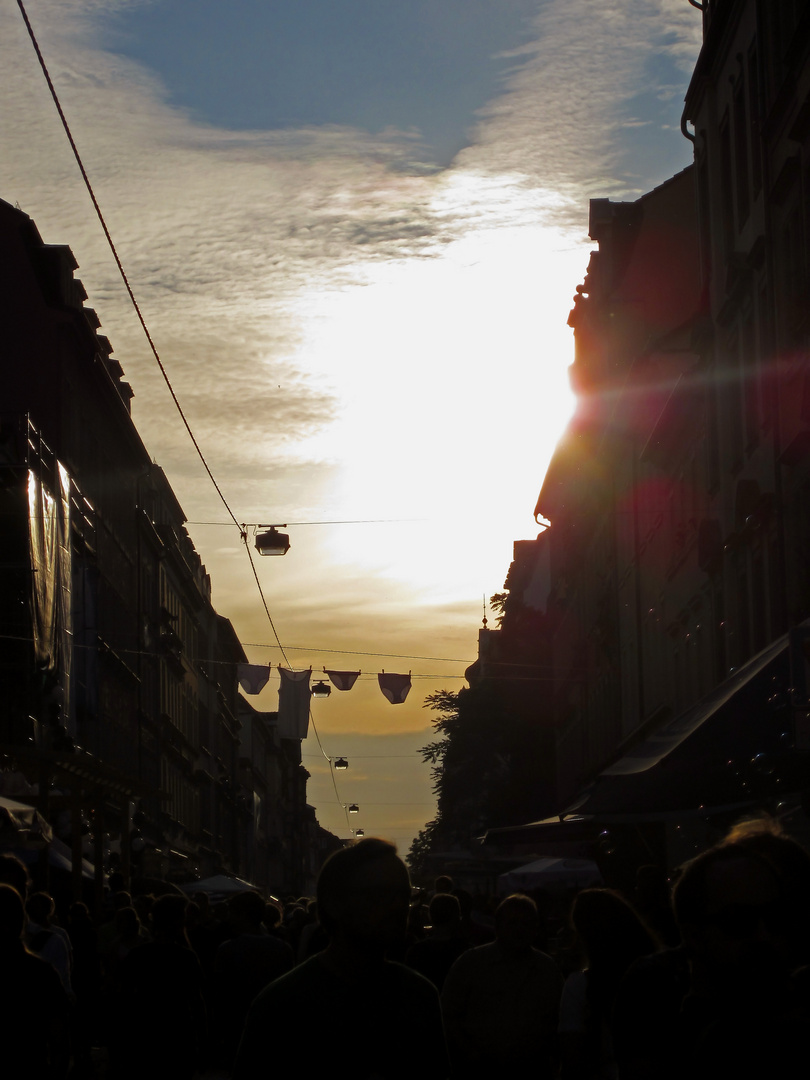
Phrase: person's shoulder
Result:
[487,952]
[542,959]
[476,959]
[407,977]
[40,979]
[273,945]
[302,982]
[576,984]
[224,948]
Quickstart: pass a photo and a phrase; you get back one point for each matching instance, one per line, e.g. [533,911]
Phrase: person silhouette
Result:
[363,900]
[501,1001]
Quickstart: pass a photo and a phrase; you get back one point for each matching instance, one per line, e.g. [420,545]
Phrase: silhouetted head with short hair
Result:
[127,923]
[116,882]
[444,910]
[169,919]
[79,913]
[39,908]
[272,915]
[791,864]
[203,902]
[611,932]
[12,917]
[741,906]
[247,911]
[13,872]
[364,895]
[516,923]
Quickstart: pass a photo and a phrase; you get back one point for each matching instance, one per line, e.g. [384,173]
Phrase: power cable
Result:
[367,677]
[357,652]
[264,600]
[118,262]
[361,521]
[242,528]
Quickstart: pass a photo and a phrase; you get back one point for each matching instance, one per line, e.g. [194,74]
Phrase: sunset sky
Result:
[354,228]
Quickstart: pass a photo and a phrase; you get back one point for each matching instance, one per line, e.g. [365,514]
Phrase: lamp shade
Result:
[341,763]
[272,542]
[321,689]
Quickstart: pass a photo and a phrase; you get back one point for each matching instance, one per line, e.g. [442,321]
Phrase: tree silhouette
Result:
[492,760]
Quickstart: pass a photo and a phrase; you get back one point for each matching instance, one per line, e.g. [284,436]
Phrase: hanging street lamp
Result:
[271,541]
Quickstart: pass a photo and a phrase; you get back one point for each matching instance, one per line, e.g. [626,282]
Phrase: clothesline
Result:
[295,692]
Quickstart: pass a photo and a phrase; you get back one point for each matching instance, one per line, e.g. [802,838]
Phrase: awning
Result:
[733,748]
[19,821]
[59,857]
[672,734]
[219,885]
[572,838]
[551,874]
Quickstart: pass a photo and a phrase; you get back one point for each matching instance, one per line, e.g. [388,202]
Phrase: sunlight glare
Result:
[451,377]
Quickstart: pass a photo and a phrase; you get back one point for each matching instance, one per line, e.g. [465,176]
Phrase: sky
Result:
[355,228]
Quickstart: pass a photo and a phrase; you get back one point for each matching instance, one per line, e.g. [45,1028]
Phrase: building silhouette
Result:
[119,708]
[678,498]
[676,508]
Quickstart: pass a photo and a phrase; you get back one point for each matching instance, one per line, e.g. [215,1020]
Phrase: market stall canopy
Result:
[573,838]
[220,885]
[554,874]
[20,823]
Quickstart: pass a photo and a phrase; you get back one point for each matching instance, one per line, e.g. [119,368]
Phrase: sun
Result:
[452,382]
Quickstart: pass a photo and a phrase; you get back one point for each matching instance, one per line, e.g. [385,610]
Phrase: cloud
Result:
[352,333]
[223,232]
[219,231]
[558,122]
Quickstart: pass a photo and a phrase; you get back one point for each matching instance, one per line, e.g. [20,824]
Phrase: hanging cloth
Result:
[253,677]
[343,680]
[395,687]
[293,703]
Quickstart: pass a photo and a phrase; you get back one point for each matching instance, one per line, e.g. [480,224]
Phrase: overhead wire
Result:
[242,527]
[118,262]
[364,757]
[358,652]
[263,598]
[364,677]
[297,524]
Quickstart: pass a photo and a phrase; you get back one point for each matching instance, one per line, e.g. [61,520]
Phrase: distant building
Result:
[514,670]
[279,844]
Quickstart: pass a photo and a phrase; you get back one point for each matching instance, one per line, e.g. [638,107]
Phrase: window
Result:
[754,115]
[726,188]
[741,154]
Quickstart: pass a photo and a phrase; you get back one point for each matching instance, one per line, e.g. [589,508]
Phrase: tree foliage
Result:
[471,767]
[498,602]
[492,753]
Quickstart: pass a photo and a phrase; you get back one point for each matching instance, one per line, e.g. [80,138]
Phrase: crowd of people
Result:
[374,980]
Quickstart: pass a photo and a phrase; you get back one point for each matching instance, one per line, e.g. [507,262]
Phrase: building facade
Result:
[118,679]
[678,498]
